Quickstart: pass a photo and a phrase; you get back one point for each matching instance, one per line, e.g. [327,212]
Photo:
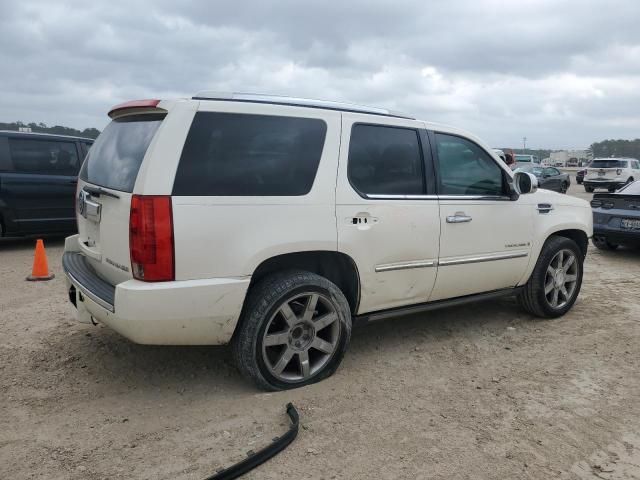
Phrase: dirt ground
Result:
[475,392]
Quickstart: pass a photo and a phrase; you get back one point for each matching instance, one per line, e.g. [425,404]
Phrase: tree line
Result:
[616,148]
[57,129]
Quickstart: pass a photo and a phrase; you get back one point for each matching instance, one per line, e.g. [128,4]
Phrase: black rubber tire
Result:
[588,189]
[262,300]
[564,187]
[532,298]
[601,243]
[578,181]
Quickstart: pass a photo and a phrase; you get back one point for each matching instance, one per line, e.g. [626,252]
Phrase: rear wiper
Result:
[97,191]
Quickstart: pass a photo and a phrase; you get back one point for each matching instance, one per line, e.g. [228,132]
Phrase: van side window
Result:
[466,169]
[385,160]
[45,157]
[231,154]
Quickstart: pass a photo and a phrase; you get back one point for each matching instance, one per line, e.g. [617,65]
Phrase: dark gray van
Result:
[38,176]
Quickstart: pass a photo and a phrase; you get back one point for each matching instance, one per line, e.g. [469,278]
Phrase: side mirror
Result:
[525,182]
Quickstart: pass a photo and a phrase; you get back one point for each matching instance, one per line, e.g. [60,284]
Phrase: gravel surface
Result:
[475,392]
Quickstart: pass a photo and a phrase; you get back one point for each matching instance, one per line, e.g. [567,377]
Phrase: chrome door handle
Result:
[459,217]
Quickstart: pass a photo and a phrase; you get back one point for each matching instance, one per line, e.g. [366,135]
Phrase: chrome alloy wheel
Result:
[300,337]
[561,278]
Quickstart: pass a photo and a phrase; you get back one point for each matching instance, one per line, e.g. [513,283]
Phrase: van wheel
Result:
[556,279]
[294,331]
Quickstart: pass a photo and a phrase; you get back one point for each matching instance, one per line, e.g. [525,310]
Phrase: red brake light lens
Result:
[151,238]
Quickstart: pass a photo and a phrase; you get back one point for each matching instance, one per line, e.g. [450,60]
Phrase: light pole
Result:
[524,143]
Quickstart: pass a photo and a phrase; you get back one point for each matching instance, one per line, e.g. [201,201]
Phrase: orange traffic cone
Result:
[40,269]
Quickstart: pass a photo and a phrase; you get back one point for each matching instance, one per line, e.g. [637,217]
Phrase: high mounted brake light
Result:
[135,104]
[151,238]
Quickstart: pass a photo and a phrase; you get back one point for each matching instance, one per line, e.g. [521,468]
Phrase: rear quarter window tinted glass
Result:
[5,161]
[385,160]
[229,154]
[46,157]
[114,159]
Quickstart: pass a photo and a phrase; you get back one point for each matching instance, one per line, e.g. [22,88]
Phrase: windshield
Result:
[523,158]
[608,164]
[631,189]
[114,159]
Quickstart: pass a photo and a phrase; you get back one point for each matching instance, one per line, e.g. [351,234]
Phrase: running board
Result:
[425,307]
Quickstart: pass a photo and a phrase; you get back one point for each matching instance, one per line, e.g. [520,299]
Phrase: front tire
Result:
[294,331]
[556,280]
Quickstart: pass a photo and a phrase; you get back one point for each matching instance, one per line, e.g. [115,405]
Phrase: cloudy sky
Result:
[561,73]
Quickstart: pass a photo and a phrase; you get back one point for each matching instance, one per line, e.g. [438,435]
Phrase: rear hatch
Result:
[105,187]
[605,169]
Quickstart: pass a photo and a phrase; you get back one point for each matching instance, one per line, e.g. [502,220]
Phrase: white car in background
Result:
[275,223]
[611,173]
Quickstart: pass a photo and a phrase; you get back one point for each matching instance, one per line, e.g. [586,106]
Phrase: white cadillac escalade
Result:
[275,223]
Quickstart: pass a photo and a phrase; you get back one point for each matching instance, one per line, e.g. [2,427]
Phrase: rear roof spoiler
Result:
[133,104]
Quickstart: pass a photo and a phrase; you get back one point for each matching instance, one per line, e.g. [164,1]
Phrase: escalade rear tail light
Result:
[151,238]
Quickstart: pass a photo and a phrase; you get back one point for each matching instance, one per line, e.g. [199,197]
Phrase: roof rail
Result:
[297,102]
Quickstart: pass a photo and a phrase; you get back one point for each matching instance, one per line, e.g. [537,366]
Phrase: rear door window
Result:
[114,159]
[385,160]
[231,154]
[46,157]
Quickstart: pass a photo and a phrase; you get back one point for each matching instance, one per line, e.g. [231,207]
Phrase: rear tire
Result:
[294,331]
[564,187]
[555,282]
[601,243]
[588,189]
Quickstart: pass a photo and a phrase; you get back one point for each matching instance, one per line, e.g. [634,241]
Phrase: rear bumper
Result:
[603,183]
[615,235]
[189,312]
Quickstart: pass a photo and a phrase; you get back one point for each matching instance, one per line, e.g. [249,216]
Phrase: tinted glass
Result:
[44,156]
[229,154]
[552,171]
[608,164]
[466,169]
[523,158]
[5,159]
[114,159]
[84,148]
[385,160]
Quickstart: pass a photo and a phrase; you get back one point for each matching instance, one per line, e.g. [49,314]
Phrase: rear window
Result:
[631,189]
[229,154]
[523,158]
[114,159]
[45,157]
[608,164]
